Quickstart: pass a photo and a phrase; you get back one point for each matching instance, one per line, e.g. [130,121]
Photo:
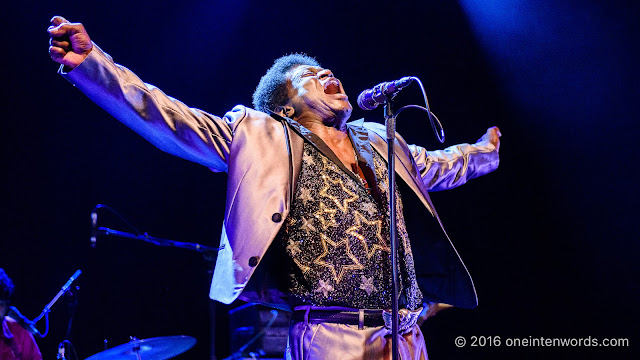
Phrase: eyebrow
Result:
[301,69]
[297,72]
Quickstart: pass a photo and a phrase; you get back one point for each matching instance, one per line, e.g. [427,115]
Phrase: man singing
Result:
[307,199]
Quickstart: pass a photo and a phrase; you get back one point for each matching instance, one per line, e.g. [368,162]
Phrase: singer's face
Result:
[317,90]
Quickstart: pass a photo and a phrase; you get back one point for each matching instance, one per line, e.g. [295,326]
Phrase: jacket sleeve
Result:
[167,123]
[455,165]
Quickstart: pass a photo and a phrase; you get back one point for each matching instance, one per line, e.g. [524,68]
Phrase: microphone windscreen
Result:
[365,100]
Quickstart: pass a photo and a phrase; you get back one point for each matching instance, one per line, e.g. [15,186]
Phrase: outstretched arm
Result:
[455,165]
[164,121]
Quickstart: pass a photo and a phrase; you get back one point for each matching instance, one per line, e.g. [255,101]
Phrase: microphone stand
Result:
[62,291]
[368,100]
[390,123]
[207,251]
[71,298]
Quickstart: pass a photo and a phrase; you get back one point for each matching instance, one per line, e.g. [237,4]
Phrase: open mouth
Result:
[332,87]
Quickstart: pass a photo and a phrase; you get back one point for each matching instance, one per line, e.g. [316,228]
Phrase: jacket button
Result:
[253,261]
[277,217]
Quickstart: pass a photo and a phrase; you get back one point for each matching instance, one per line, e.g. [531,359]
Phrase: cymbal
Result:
[158,348]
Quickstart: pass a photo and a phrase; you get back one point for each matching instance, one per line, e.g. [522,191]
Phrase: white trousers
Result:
[327,341]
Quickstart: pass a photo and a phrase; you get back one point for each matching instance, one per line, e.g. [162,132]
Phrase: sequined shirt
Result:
[337,239]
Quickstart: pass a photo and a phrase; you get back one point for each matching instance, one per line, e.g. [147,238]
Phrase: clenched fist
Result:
[493,136]
[69,43]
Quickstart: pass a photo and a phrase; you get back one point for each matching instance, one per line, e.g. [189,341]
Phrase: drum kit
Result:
[157,348]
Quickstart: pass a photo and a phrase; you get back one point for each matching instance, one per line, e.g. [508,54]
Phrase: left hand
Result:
[493,136]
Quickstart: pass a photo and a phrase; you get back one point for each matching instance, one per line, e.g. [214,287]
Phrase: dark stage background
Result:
[549,238]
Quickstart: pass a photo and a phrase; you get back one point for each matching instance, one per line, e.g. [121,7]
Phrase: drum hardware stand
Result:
[209,254]
[72,303]
[136,348]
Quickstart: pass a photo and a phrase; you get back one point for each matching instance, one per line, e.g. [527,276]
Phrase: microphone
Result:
[60,293]
[71,279]
[94,229]
[22,320]
[381,93]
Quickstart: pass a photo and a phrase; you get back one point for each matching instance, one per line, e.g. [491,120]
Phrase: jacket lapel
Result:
[365,140]
[404,165]
[318,143]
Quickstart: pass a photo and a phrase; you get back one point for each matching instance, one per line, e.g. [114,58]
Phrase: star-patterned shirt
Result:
[337,237]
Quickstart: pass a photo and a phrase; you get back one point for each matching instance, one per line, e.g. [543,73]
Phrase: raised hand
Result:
[493,136]
[69,43]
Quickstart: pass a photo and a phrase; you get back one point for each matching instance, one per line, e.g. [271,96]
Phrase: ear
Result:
[285,110]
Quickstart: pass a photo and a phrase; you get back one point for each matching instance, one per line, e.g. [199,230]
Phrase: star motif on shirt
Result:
[308,159]
[324,288]
[370,208]
[378,242]
[305,195]
[367,284]
[330,220]
[293,247]
[337,269]
[304,268]
[344,204]
[307,226]
[326,164]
